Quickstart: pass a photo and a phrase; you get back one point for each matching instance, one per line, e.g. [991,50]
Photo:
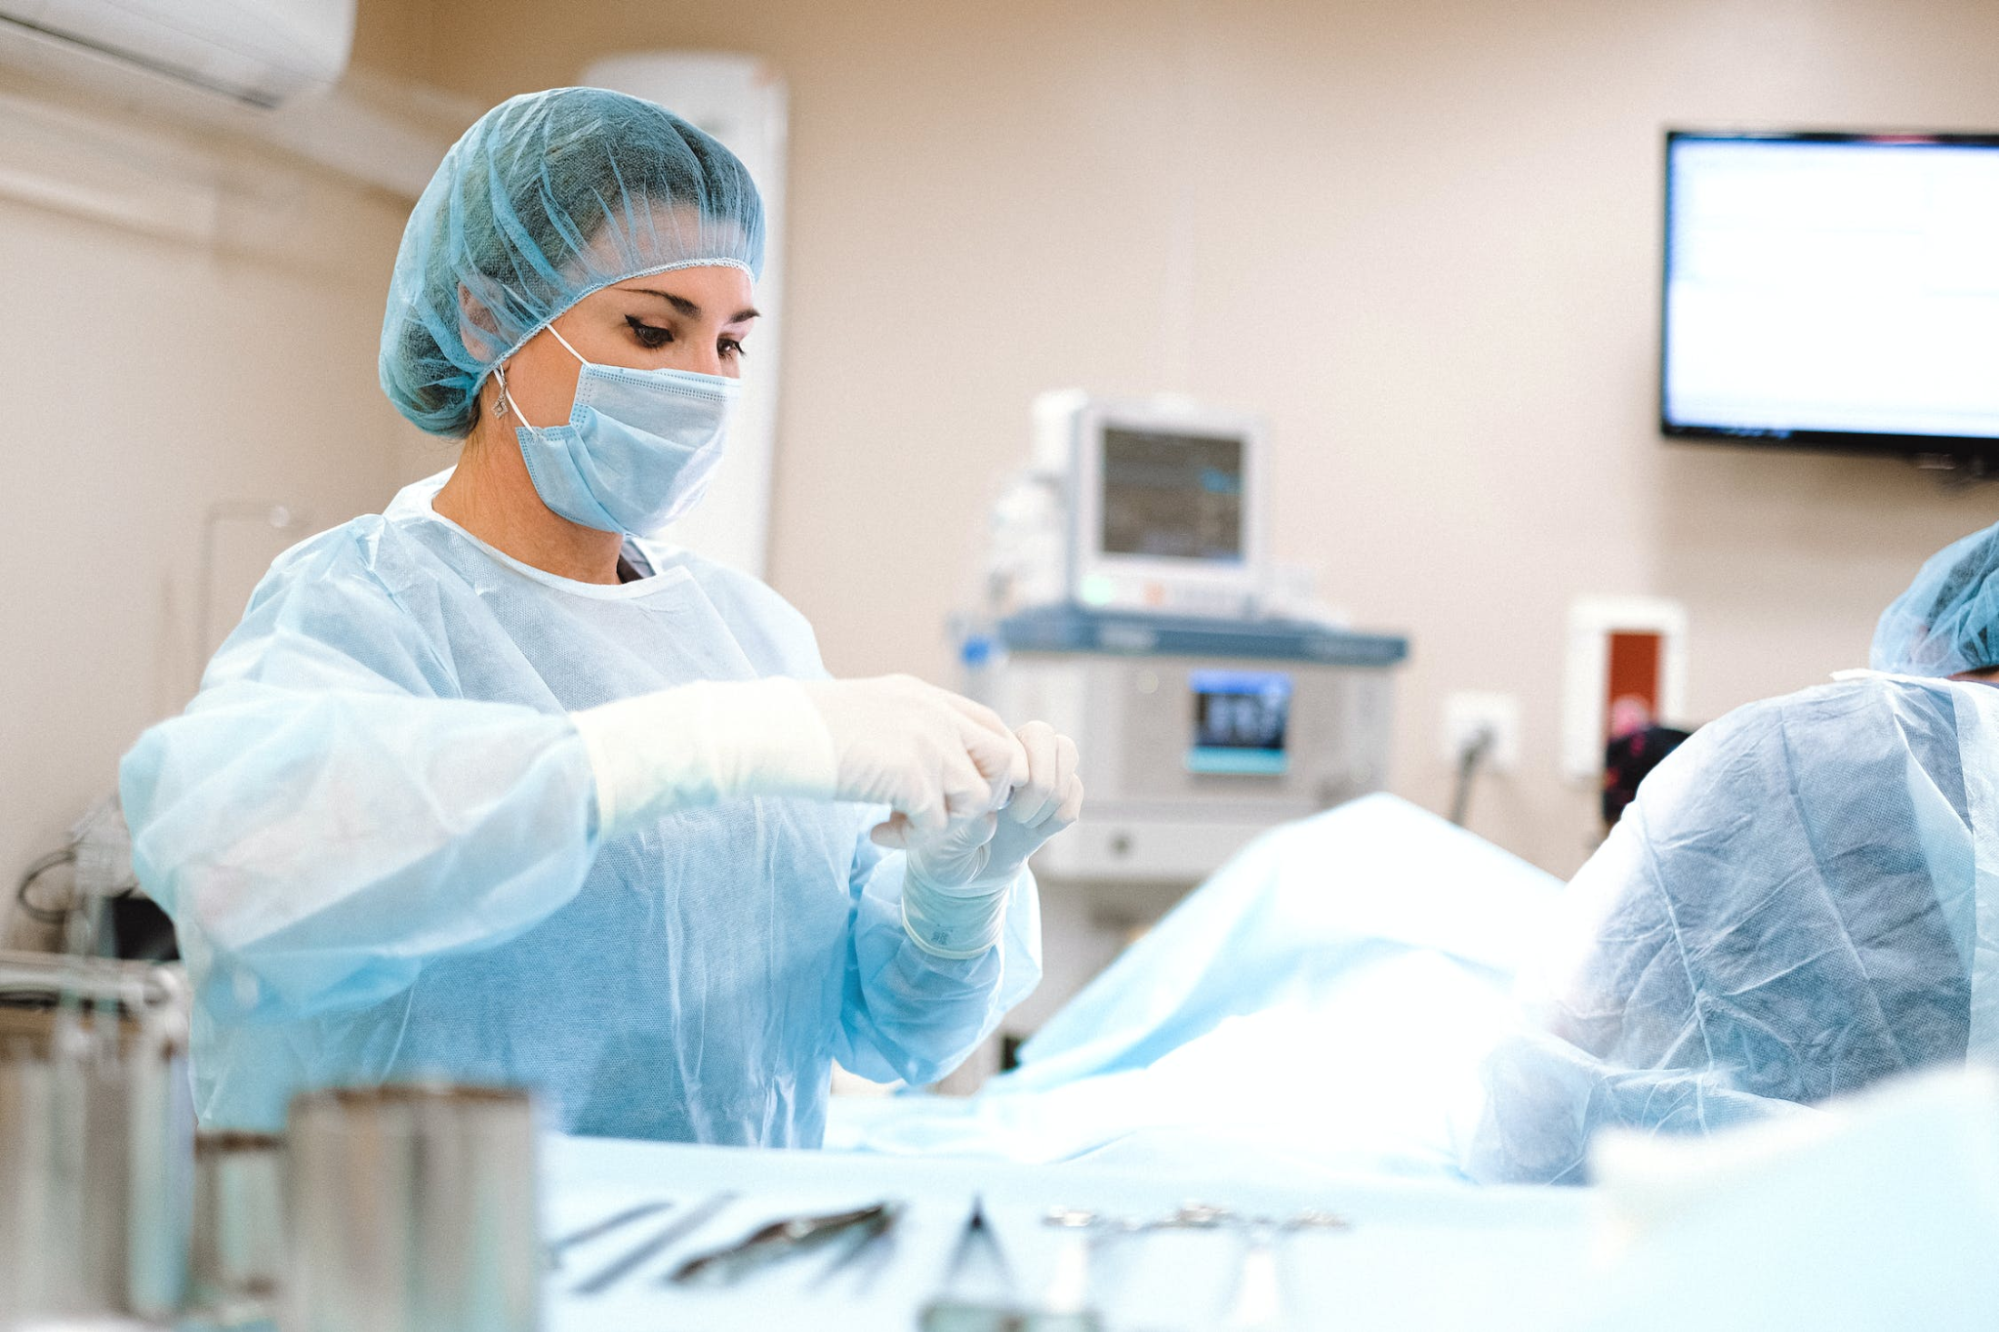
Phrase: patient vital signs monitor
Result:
[1160,504]
[1128,604]
[1833,290]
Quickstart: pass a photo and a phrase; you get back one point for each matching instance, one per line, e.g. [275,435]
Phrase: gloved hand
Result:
[957,882]
[928,754]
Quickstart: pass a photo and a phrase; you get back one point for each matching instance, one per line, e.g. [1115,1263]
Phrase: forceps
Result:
[786,1237]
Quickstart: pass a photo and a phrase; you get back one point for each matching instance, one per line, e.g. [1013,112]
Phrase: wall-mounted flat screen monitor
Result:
[1833,291]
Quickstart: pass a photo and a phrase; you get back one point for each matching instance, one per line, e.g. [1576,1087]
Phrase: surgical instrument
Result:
[783,1239]
[980,1290]
[604,1227]
[675,1230]
[1259,1300]
[876,1241]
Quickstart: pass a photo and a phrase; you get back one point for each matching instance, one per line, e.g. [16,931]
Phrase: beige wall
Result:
[1420,236]
[144,378]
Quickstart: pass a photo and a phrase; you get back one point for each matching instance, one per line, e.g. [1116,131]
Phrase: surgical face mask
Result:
[639,447]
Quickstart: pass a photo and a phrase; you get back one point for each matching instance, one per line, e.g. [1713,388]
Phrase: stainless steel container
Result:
[239,1221]
[96,1141]
[30,1269]
[412,1208]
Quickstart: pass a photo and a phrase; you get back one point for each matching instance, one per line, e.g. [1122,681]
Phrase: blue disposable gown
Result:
[374,829]
[1803,900]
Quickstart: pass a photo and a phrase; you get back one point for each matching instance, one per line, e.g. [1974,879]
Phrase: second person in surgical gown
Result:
[492,786]
[1803,900]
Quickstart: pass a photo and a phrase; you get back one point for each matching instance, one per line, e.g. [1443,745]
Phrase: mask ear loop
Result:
[565,345]
[506,401]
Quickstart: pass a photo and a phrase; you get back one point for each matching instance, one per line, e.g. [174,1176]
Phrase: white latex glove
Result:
[928,754]
[957,882]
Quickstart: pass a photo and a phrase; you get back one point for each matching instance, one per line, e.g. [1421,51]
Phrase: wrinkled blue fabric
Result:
[1290,915]
[548,197]
[1322,1004]
[1802,901]
[1788,912]
[373,828]
[1948,620]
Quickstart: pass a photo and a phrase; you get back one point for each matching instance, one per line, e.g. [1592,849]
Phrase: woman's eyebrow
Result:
[692,310]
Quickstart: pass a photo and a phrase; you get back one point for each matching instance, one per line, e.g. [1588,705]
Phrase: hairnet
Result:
[548,197]
[1948,620]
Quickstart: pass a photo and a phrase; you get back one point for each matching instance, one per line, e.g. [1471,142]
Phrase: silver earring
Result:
[500,403]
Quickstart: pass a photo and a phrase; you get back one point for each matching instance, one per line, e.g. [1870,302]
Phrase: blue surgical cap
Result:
[1948,620]
[548,197]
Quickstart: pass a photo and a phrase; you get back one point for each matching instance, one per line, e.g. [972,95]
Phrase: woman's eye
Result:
[649,335]
[729,347]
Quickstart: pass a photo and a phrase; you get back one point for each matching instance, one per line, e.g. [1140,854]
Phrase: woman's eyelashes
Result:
[655,336]
[648,335]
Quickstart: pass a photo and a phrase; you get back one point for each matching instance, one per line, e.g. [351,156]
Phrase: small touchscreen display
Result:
[1240,722]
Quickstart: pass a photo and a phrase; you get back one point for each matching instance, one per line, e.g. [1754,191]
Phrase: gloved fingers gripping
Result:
[1032,801]
[969,709]
[1000,760]
[891,832]
[992,745]
[1071,808]
[1043,802]
[900,831]
[924,813]
[966,788]
[976,712]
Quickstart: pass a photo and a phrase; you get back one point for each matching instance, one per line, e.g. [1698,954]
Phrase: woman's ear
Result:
[477,328]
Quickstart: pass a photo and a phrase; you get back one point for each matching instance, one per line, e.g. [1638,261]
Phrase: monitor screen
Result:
[1838,290]
[1172,495]
[1240,721]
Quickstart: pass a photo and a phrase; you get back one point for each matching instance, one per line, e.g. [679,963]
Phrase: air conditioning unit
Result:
[260,53]
[109,76]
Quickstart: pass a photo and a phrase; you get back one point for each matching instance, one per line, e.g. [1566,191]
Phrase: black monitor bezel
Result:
[1982,447]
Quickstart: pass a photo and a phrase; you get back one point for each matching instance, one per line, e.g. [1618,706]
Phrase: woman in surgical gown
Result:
[494,787]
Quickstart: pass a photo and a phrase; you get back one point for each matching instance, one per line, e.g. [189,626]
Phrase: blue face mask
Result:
[639,447]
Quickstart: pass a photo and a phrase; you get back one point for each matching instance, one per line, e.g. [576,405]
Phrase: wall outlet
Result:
[1467,712]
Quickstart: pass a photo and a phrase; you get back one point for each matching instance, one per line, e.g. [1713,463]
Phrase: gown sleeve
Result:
[905,1014]
[324,817]
[911,1015]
